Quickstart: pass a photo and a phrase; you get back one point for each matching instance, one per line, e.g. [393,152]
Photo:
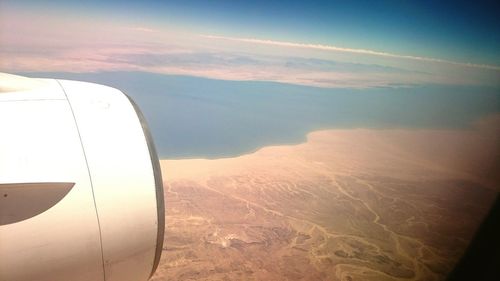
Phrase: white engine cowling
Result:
[81,194]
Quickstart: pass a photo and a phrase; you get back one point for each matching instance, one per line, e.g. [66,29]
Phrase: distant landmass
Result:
[193,117]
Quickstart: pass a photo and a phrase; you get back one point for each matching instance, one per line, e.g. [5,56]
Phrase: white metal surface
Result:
[119,161]
[105,225]
[18,88]
[39,143]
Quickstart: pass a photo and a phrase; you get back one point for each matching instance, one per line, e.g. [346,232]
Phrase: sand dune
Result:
[346,205]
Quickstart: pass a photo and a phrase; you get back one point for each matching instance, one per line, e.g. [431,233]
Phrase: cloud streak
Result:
[349,50]
[52,44]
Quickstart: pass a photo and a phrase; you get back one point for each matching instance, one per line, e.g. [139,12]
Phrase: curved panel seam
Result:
[90,177]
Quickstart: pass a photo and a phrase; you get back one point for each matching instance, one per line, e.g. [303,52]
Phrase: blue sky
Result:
[356,44]
[465,31]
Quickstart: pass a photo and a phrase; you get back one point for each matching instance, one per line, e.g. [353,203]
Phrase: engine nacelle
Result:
[81,194]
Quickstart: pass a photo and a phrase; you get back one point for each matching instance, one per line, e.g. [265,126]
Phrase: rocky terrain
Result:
[345,205]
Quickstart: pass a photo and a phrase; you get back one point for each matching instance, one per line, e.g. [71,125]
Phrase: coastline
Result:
[360,203]
[191,117]
[466,153]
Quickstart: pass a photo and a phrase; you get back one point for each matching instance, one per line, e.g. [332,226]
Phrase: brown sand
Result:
[346,205]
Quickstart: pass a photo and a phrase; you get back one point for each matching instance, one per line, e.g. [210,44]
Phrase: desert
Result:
[354,204]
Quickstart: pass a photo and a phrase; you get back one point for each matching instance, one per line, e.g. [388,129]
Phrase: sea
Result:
[193,117]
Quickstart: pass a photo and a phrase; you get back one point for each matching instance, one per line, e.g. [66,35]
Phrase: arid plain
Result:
[346,205]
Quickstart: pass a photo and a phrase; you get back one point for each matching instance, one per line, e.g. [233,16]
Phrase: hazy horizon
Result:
[355,44]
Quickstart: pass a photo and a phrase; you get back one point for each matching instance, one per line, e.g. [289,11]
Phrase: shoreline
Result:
[343,201]
[474,127]
[469,154]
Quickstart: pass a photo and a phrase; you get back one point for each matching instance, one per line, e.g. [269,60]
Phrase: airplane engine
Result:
[81,194]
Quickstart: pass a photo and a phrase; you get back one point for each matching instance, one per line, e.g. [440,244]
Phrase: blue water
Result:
[194,117]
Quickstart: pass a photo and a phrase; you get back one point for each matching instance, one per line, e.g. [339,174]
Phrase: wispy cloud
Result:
[348,50]
[142,29]
[46,43]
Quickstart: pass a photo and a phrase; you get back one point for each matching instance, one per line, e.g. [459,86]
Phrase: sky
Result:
[353,44]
